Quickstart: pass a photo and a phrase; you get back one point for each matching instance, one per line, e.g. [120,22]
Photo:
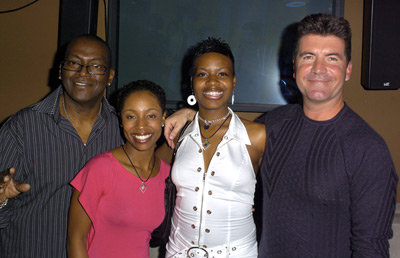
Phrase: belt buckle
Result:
[196,251]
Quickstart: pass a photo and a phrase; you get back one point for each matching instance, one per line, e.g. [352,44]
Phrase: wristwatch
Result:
[3,204]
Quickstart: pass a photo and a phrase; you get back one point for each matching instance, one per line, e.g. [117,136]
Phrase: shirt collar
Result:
[49,105]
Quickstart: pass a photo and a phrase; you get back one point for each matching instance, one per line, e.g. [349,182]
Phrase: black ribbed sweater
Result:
[328,188]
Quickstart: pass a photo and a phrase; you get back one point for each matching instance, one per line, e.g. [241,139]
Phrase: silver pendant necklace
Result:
[207,123]
[206,143]
[143,186]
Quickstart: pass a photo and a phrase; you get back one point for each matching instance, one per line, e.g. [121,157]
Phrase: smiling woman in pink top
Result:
[119,195]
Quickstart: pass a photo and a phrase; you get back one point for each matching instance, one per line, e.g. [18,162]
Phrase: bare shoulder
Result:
[253,128]
[165,153]
[118,154]
[258,137]
[256,132]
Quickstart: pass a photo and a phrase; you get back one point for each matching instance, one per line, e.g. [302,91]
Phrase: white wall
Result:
[395,241]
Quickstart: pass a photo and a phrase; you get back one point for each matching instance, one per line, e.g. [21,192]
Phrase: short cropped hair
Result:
[138,86]
[96,39]
[213,45]
[325,25]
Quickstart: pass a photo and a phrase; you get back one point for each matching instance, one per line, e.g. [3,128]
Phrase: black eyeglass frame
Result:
[88,68]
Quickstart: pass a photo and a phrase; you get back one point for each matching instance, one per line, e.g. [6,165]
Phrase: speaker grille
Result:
[381,45]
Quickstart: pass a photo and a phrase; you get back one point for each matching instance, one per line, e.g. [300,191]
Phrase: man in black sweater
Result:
[328,180]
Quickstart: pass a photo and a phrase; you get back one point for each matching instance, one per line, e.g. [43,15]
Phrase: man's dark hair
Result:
[141,85]
[93,38]
[325,25]
[213,45]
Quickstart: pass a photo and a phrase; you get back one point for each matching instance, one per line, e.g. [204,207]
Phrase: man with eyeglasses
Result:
[44,145]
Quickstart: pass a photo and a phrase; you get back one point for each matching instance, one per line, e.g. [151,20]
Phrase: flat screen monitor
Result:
[151,40]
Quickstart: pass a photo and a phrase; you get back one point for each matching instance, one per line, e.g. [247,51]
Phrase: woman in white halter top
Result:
[215,165]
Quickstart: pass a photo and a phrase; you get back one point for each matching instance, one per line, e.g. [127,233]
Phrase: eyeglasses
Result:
[94,69]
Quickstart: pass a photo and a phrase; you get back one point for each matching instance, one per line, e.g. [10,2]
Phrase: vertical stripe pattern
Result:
[47,153]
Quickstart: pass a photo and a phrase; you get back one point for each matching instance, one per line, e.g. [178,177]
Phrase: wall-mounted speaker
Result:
[76,17]
[381,45]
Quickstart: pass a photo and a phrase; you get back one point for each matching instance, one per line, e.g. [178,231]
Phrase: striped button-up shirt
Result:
[47,153]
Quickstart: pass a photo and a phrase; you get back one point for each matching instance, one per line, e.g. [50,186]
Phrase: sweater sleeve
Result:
[373,199]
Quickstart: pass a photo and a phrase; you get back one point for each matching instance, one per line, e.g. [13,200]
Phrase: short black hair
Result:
[325,25]
[93,38]
[213,45]
[141,85]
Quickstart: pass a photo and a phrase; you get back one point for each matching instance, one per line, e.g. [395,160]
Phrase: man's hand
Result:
[9,188]
[175,122]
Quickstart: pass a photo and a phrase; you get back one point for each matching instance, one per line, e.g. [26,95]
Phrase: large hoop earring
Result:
[191,100]
[233,98]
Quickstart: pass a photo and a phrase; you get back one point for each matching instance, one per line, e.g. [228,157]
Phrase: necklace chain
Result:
[207,123]
[206,143]
[66,113]
[142,186]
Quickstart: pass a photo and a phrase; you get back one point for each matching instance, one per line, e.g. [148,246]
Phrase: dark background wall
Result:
[29,42]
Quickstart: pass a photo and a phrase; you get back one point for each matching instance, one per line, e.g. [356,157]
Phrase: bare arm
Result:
[9,188]
[164,153]
[175,122]
[258,136]
[78,228]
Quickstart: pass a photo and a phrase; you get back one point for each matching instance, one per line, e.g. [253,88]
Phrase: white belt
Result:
[202,252]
